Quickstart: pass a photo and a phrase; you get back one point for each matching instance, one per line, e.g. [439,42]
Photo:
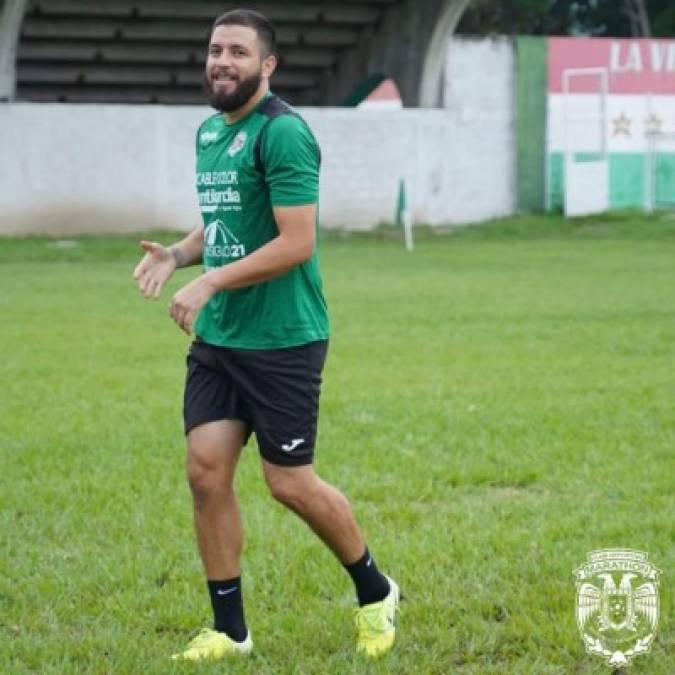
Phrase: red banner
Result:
[642,66]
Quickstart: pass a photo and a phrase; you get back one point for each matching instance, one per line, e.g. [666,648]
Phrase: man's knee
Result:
[292,487]
[212,454]
[206,474]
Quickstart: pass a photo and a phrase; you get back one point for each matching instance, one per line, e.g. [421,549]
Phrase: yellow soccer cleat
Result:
[375,624]
[211,645]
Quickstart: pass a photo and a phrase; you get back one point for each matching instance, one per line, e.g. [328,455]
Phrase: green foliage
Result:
[564,17]
[496,405]
[517,17]
[662,17]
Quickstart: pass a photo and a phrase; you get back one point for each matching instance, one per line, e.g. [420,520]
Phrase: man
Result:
[261,328]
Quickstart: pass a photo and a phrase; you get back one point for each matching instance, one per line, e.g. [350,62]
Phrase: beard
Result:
[224,102]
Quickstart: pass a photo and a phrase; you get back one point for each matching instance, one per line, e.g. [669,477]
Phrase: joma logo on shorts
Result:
[289,447]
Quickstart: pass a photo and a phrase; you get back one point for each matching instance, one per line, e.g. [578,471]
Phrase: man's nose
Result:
[223,59]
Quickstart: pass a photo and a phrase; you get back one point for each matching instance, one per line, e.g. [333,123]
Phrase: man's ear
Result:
[269,65]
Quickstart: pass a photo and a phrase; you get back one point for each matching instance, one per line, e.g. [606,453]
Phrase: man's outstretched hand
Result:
[154,270]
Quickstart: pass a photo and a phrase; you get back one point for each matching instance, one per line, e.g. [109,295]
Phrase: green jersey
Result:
[241,174]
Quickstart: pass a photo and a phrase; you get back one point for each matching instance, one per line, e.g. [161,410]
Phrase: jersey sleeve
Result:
[290,156]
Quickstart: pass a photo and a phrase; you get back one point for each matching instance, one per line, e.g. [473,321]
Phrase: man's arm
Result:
[160,262]
[293,245]
[189,251]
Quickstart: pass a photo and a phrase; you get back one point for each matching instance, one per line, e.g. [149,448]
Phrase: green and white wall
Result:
[576,124]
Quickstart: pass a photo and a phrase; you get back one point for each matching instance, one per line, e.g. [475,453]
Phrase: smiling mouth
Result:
[223,79]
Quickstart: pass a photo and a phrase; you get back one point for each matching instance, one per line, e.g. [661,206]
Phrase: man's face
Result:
[234,67]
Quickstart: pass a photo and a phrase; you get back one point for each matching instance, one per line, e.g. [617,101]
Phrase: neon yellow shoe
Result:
[211,645]
[375,624]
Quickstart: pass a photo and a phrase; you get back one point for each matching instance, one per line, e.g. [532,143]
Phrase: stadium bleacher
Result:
[153,51]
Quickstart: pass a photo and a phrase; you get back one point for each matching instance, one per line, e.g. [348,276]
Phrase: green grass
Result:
[495,406]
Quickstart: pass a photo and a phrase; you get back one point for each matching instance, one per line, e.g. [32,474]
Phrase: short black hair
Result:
[261,25]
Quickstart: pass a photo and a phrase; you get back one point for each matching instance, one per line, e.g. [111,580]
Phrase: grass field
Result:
[496,405]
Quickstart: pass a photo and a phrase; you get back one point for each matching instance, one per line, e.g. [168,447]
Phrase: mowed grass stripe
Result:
[495,405]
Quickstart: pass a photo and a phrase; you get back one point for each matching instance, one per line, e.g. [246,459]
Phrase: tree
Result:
[513,17]
[610,18]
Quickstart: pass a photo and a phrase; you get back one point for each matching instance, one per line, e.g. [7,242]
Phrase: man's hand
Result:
[189,300]
[154,270]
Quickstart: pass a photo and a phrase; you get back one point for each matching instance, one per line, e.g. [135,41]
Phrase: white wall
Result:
[480,98]
[77,168]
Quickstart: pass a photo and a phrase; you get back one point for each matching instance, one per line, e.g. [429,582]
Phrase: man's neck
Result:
[240,113]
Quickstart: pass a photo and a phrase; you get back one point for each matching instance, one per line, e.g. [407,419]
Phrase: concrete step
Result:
[95,74]
[64,51]
[75,94]
[280,13]
[128,94]
[169,31]
[57,51]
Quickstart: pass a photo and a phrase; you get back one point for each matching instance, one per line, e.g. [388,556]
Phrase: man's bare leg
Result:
[213,452]
[327,511]
[324,508]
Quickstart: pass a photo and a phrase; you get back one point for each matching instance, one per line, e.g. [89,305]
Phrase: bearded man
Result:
[261,334]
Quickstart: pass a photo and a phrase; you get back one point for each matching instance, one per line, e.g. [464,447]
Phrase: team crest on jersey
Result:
[617,604]
[207,137]
[237,144]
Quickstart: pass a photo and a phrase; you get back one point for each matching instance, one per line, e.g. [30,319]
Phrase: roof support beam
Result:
[10,28]
[408,45]
[431,89]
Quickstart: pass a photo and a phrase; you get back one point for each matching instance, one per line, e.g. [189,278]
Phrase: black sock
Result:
[371,584]
[228,608]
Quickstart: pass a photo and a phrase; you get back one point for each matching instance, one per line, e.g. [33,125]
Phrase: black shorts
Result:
[274,391]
